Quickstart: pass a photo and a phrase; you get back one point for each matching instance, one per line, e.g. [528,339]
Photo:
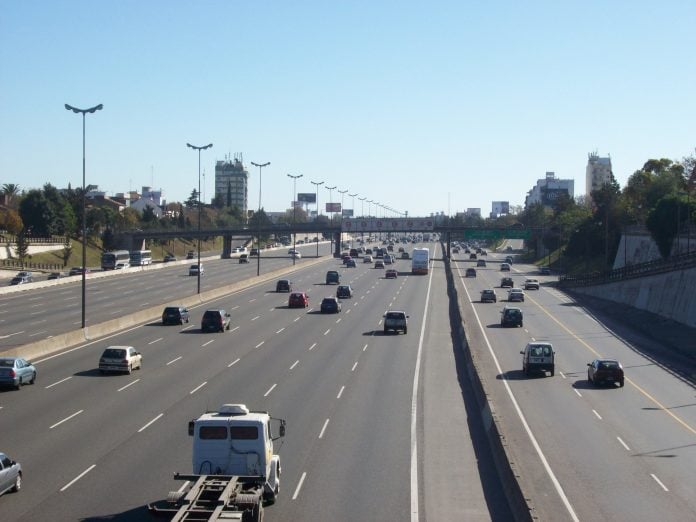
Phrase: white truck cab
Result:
[236,441]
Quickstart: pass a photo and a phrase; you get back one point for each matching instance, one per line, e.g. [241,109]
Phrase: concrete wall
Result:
[671,295]
[9,249]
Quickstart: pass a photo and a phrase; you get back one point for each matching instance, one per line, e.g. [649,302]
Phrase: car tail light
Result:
[13,374]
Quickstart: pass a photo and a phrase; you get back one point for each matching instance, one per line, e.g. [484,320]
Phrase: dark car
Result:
[332,277]
[455,250]
[190,254]
[15,371]
[545,270]
[283,285]
[470,272]
[169,258]
[506,282]
[391,274]
[344,292]
[511,316]
[472,256]
[215,321]
[330,305]
[354,252]
[488,296]
[55,275]
[298,300]
[10,474]
[175,315]
[350,263]
[394,321]
[404,255]
[254,252]
[21,280]
[244,258]
[481,262]
[605,371]
[77,270]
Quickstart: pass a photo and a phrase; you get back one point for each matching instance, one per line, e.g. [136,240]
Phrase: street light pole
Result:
[362,206]
[294,210]
[258,219]
[199,149]
[91,110]
[331,218]
[316,184]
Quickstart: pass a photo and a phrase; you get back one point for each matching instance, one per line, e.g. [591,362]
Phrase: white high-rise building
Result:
[547,190]
[597,173]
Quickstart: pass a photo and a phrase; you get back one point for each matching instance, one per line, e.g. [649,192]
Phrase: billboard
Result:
[501,207]
[549,195]
[333,207]
[347,212]
[387,224]
[307,197]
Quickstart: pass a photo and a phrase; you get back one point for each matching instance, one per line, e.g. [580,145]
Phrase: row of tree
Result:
[584,232]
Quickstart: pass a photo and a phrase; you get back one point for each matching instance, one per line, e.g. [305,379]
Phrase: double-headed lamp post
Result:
[294,210]
[199,149]
[91,110]
[317,184]
[258,219]
[362,206]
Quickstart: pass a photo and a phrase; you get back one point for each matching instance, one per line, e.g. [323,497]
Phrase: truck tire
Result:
[405,330]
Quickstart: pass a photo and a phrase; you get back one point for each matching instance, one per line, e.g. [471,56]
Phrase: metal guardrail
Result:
[660,266]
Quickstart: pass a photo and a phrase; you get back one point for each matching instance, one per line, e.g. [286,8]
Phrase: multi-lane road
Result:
[606,453]
[380,427]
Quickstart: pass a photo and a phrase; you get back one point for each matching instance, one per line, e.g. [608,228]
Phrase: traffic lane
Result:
[142,388]
[529,396]
[352,458]
[34,314]
[453,437]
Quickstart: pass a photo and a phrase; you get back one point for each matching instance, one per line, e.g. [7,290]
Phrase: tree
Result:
[181,218]
[11,191]
[67,251]
[11,221]
[192,201]
[22,246]
[37,213]
[662,224]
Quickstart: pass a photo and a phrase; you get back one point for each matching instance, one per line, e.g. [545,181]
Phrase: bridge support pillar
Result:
[337,244]
[226,246]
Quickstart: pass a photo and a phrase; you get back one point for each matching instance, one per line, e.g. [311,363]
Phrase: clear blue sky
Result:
[422,106]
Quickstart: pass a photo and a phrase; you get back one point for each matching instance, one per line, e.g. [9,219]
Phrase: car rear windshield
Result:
[6,363]
[609,365]
[114,353]
[171,310]
[393,315]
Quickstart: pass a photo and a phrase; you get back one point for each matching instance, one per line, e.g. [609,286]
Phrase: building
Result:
[547,190]
[232,180]
[498,208]
[597,173]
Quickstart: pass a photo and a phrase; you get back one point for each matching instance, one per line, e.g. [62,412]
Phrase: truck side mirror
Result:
[190,428]
[281,430]
[522,352]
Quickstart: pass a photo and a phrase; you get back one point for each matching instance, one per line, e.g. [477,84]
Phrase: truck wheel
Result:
[621,383]
[405,330]
[552,370]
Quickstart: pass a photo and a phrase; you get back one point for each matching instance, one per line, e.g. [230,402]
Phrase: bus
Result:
[140,257]
[420,259]
[110,259]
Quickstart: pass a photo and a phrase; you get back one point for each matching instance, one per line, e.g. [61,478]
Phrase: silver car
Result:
[15,371]
[10,474]
[120,359]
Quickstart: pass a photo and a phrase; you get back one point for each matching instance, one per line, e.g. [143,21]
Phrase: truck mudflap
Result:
[213,498]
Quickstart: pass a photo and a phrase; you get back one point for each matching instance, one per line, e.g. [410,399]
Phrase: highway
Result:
[601,453]
[379,426]
[39,313]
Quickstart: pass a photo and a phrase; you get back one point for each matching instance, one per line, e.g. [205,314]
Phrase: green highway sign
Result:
[495,233]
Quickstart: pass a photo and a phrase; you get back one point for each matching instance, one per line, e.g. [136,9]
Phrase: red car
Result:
[298,300]
[605,371]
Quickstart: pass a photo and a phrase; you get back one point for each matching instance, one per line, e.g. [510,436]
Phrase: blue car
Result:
[15,371]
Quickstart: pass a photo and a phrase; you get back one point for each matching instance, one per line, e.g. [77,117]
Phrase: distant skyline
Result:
[423,107]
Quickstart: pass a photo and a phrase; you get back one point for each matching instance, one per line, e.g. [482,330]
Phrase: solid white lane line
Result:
[556,484]
[78,477]
[312,347]
[174,360]
[127,385]
[323,429]
[659,482]
[340,392]
[206,344]
[327,331]
[295,364]
[255,318]
[198,388]
[354,366]
[235,328]
[283,328]
[597,414]
[155,341]
[623,444]
[233,362]
[62,380]
[259,345]
[299,485]
[151,422]
[270,390]
[66,419]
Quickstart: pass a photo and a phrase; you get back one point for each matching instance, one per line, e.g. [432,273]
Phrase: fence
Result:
[16,263]
[660,266]
[10,238]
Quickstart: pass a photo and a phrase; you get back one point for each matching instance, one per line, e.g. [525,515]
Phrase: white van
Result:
[538,356]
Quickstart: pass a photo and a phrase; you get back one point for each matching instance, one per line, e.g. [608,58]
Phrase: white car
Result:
[194,270]
[531,284]
[296,255]
[120,359]
[367,259]
[121,265]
